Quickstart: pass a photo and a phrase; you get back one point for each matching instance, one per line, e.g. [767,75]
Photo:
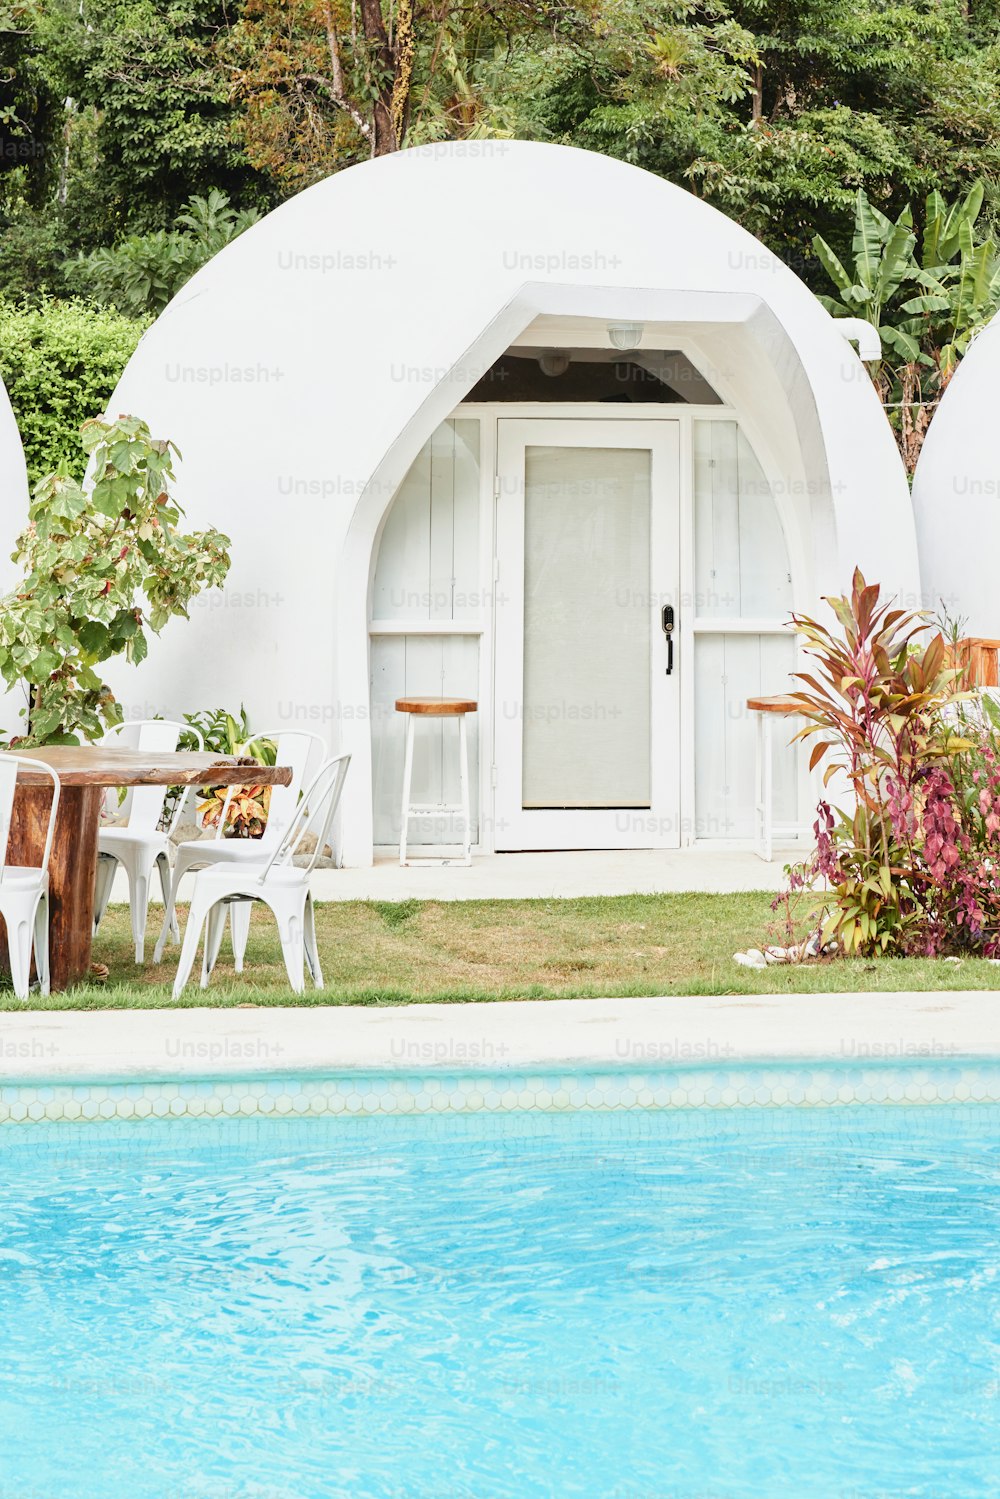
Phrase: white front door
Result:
[586,711]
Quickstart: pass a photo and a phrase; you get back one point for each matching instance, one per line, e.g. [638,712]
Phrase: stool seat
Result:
[436,707]
[455,708]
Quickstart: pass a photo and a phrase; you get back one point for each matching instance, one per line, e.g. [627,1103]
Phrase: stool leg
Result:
[463,773]
[768,790]
[758,783]
[407,775]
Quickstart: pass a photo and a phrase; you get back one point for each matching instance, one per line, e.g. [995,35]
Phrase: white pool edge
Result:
[496,1037]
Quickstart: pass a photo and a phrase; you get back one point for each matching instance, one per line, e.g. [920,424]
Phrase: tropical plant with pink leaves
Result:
[912,863]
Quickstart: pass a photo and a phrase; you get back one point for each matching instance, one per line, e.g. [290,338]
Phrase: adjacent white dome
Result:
[956,493]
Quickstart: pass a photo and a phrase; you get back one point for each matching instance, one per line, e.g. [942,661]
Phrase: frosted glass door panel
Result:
[587,547]
[586,724]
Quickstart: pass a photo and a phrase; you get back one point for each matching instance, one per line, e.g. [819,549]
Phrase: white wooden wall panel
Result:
[428,560]
[422,665]
[765,571]
[441,540]
[470,596]
[402,571]
[741,557]
[731,668]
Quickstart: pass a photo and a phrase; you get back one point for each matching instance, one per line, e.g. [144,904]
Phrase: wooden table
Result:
[767,709]
[979,654]
[85,772]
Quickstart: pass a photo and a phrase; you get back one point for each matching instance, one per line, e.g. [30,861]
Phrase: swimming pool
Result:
[648,1303]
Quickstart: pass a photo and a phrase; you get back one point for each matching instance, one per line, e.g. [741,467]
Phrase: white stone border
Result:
[117,1046]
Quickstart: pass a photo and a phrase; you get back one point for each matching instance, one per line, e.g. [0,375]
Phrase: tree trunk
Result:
[383,68]
[757,95]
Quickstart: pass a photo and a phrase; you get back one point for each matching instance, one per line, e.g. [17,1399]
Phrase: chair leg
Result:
[292,945]
[19,931]
[106,866]
[169,918]
[309,942]
[239,920]
[139,871]
[163,865]
[189,947]
[215,926]
[42,943]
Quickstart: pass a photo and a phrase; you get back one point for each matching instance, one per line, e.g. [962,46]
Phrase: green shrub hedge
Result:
[60,362]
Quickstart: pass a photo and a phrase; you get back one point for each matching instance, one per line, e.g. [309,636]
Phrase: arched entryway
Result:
[527,559]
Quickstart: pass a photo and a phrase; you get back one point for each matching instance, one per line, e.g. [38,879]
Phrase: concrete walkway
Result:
[119,1045]
[547,876]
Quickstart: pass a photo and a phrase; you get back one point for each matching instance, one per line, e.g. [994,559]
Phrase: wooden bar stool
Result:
[437,707]
[766,708]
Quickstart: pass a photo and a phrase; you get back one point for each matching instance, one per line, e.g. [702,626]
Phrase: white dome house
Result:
[956,493]
[474,416]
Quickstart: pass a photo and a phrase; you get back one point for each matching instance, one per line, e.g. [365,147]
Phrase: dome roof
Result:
[380,278]
[956,493]
[376,299]
[301,371]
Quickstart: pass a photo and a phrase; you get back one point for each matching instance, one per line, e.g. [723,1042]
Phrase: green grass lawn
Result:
[382,953]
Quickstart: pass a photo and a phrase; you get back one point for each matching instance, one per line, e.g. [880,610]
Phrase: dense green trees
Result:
[60,361]
[114,113]
[777,112]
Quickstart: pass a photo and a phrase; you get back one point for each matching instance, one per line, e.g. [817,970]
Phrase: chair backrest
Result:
[296,748]
[9,767]
[143,806]
[315,816]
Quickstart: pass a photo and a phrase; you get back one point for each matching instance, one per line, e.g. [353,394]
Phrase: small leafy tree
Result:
[101,563]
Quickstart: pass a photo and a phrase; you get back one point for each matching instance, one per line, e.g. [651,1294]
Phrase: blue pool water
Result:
[662,1305]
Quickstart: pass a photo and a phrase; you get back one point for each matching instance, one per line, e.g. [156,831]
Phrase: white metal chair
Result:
[277,882]
[140,844]
[24,892]
[296,748]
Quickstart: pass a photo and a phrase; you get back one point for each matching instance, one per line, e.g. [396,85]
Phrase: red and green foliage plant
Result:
[912,865]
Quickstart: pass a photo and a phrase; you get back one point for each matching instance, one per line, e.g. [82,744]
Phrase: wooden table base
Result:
[72,869]
[84,772]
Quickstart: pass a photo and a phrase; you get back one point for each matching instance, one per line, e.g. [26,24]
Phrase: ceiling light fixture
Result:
[553,362]
[625,335]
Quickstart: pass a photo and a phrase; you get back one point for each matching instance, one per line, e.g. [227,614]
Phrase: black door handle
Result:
[667,625]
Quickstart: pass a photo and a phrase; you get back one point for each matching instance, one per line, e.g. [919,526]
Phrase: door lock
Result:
[667,625]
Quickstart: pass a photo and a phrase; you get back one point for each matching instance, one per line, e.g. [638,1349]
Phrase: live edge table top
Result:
[109,765]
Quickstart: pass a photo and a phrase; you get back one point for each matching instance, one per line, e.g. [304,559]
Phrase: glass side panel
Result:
[586,709]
